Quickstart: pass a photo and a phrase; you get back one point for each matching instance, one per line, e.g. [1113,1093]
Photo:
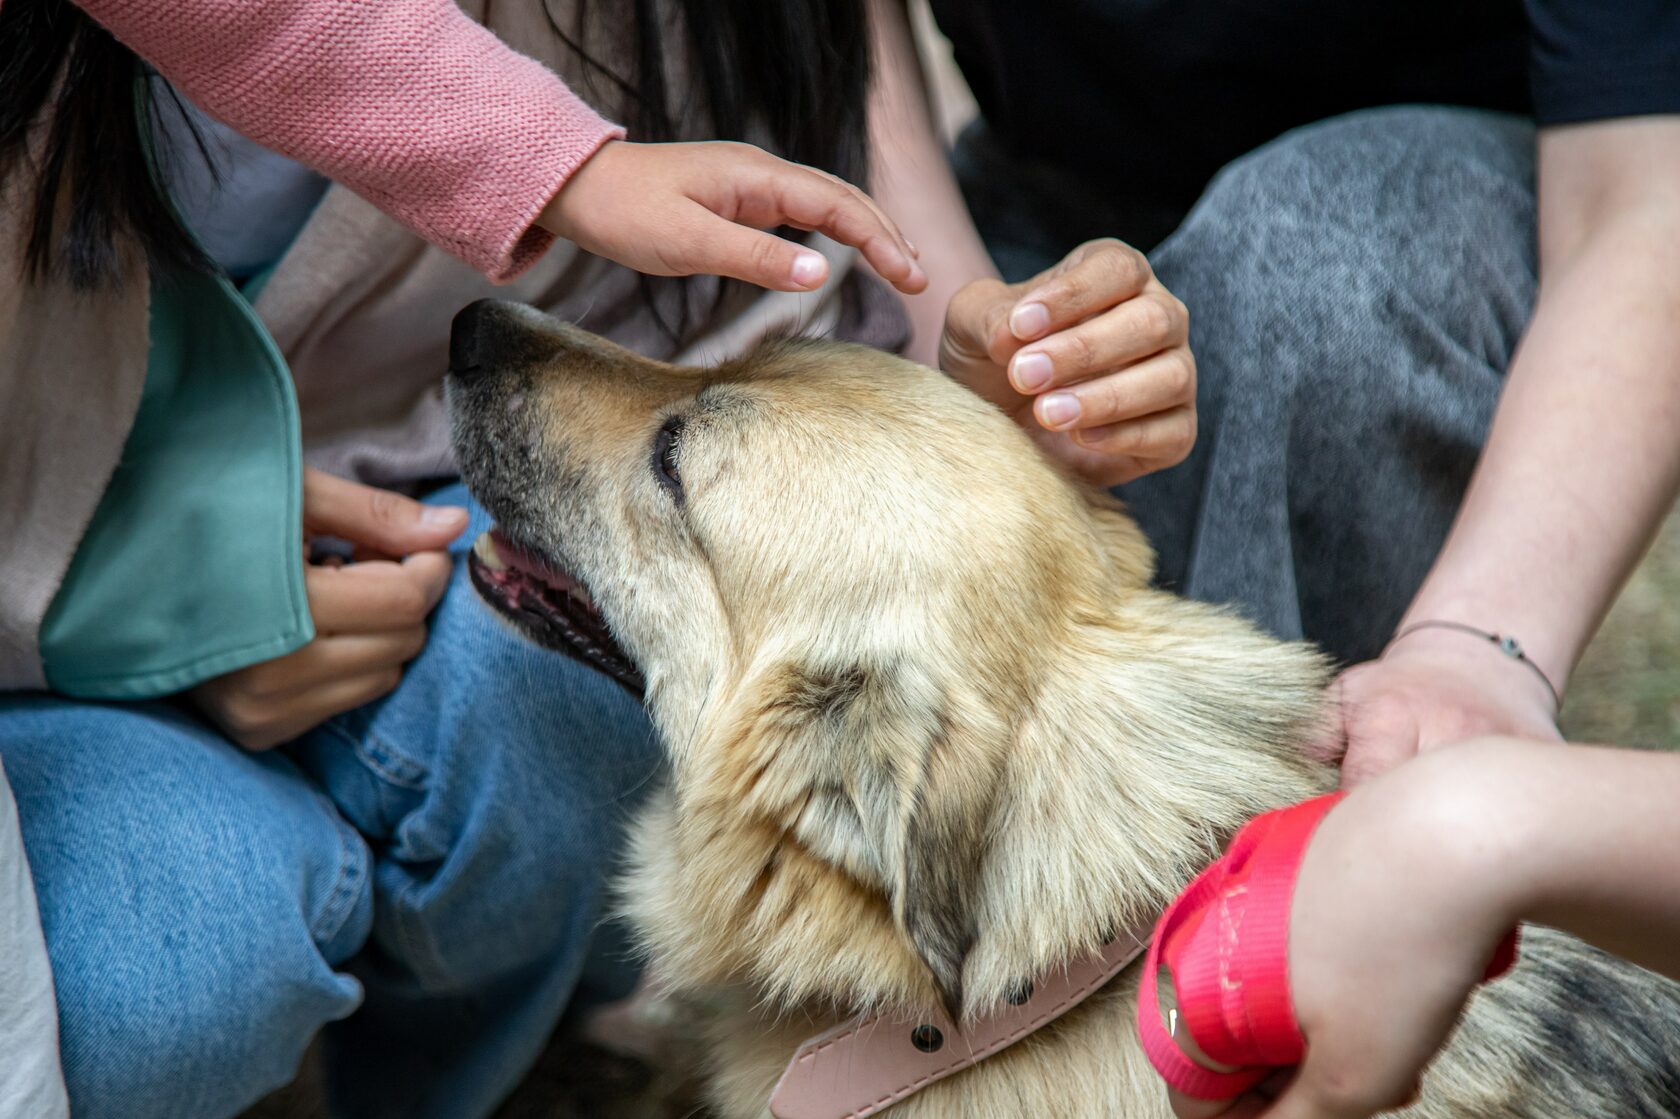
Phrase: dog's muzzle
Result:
[550,605]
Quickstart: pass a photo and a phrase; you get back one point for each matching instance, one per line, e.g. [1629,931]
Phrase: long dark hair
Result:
[92,176]
[792,74]
[797,69]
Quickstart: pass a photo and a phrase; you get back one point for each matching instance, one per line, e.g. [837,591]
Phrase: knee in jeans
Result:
[1417,214]
[526,883]
[192,897]
[145,1038]
[505,860]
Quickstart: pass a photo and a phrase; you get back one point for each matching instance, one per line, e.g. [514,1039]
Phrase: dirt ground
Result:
[1627,689]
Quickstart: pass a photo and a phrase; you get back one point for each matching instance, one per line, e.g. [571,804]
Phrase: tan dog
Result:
[931,731]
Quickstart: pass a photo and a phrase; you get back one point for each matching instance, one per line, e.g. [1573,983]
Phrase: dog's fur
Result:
[931,730]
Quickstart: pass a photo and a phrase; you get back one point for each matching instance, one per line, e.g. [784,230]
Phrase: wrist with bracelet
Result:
[1507,645]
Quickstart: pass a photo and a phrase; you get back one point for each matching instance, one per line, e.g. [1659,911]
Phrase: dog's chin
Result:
[548,605]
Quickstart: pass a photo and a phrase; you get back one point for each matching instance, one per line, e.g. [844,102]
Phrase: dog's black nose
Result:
[466,345]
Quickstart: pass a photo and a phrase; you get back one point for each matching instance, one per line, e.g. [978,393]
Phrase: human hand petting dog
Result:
[1092,357]
[370,616]
[683,209]
[1412,881]
[1433,688]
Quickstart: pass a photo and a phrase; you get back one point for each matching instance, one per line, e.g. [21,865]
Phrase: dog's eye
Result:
[665,456]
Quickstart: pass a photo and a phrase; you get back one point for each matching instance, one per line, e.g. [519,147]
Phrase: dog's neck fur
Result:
[1119,779]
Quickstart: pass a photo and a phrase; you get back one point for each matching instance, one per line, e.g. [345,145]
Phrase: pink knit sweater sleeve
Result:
[407,102]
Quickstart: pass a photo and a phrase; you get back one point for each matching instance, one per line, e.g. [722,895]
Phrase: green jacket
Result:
[192,563]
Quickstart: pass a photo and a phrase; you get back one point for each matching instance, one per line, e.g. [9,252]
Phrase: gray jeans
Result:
[1356,289]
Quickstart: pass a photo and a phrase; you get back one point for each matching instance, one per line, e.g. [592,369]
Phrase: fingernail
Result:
[1032,371]
[1059,409]
[911,245]
[443,516]
[808,269]
[1029,320]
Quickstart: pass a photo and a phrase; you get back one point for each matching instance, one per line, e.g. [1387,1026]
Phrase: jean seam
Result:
[341,899]
[419,950]
[386,761]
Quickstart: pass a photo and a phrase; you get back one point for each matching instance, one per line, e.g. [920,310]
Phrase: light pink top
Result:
[407,102]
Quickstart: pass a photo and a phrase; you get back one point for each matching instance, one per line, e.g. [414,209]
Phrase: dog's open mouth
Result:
[549,604]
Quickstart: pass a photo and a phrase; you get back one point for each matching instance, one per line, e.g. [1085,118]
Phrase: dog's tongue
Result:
[502,557]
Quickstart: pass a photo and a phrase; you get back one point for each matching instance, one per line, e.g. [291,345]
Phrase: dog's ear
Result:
[895,763]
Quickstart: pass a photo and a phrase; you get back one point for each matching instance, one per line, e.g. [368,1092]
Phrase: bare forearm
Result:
[1410,884]
[912,179]
[1583,459]
[1588,839]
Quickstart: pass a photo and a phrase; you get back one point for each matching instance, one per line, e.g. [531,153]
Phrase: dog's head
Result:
[858,603]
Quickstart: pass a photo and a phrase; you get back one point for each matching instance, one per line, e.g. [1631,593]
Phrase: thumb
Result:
[721,247]
[380,520]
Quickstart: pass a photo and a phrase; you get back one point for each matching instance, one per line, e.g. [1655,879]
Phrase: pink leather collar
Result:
[867,1064]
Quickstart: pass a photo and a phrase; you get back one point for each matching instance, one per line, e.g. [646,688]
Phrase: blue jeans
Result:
[425,873]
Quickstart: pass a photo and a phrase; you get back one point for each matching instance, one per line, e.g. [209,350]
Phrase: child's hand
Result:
[370,616]
[701,208]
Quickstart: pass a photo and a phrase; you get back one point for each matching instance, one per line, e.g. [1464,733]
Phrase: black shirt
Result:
[1154,96]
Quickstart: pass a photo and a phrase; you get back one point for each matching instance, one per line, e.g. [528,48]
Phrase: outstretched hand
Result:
[684,209]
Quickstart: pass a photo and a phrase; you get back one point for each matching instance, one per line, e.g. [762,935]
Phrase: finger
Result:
[1371,755]
[1096,276]
[995,338]
[805,199]
[975,316]
[262,724]
[1137,447]
[752,255]
[374,518]
[1171,431]
[1138,328]
[804,194]
[377,596]
[868,200]
[327,660]
[1160,384]
[1382,730]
